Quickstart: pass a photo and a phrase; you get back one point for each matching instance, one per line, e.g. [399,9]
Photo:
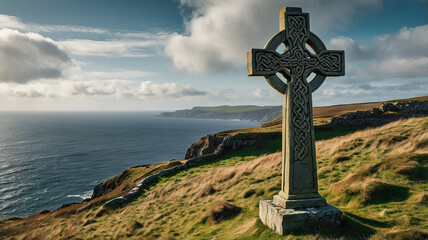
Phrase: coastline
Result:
[91,149]
[207,146]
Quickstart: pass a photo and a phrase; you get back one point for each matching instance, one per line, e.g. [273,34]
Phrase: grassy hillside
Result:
[377,177]
[270,113]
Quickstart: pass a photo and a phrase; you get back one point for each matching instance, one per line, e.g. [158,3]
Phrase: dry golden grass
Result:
[180,206]
[334,111]
[421,198]
[322,116]
[337,110]
[222,211]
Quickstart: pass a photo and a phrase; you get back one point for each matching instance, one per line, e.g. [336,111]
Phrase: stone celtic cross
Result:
[296,63]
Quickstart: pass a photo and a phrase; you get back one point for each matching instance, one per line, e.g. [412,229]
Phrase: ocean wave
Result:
[11,195]
[61,156]
[83,196]
[18,143]
[15,170]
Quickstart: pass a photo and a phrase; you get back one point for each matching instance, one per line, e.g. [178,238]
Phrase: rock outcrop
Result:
[109,185]
[209,148]
[386,113]
[215,143]
[119,201]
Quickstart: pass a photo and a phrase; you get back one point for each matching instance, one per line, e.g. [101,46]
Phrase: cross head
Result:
[296,63]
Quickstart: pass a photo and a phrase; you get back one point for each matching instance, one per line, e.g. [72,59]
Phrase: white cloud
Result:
[167,90]
[132,44]
[263,93]
[400,67]
[95,88]
[65,28]
[111,48]
[221,31]
[403,54]
[333,92]
[120,44]
[29,56]
[370,91]
[400,55]
[159,36]
[118,89]
[408,42]
[260,93]
[12,22]
[353,51]
[121,74]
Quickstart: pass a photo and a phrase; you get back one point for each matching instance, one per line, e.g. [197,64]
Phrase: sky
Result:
[126,55]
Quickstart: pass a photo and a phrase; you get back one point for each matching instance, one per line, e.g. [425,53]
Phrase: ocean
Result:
[48,159]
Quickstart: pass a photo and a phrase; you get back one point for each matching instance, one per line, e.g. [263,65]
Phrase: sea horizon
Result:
[51,158]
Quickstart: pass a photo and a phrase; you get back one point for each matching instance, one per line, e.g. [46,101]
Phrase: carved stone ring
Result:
[313,41]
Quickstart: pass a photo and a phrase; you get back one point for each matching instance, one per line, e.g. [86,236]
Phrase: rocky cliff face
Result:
[386,113]
[109,185]
[219,144]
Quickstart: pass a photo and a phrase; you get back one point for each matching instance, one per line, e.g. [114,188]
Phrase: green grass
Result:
[336,132]
[375,187]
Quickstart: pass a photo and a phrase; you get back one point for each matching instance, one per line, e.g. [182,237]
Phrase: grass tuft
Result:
[249,193]
[376,191]
[422,198]
[340,157]
[207,191]
[223,211]
[407,234]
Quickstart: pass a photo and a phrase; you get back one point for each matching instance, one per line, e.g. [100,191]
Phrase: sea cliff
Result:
[252,113]
[381,194]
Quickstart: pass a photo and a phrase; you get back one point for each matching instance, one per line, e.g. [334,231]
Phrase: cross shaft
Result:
[296,63]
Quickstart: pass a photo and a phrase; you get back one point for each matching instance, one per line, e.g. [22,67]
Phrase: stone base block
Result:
[299,203]
[284,221]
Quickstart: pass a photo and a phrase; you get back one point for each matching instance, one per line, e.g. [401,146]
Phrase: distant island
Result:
[247,112]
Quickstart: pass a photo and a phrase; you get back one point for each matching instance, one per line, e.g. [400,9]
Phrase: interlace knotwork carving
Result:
[329,62]
[269,61]
[301,117]
[297,62]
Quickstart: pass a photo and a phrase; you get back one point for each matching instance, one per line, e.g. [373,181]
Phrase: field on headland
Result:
[270,113]
[376,176]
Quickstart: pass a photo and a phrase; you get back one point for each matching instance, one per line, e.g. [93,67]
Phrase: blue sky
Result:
[175,54]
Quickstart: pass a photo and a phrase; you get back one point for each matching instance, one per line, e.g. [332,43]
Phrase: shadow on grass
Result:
[337,131]
[419,173]
[384,193]
[367,221]
[353,227]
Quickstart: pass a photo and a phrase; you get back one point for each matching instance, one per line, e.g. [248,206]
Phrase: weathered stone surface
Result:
[284,221]
[299,203]
[299,171]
